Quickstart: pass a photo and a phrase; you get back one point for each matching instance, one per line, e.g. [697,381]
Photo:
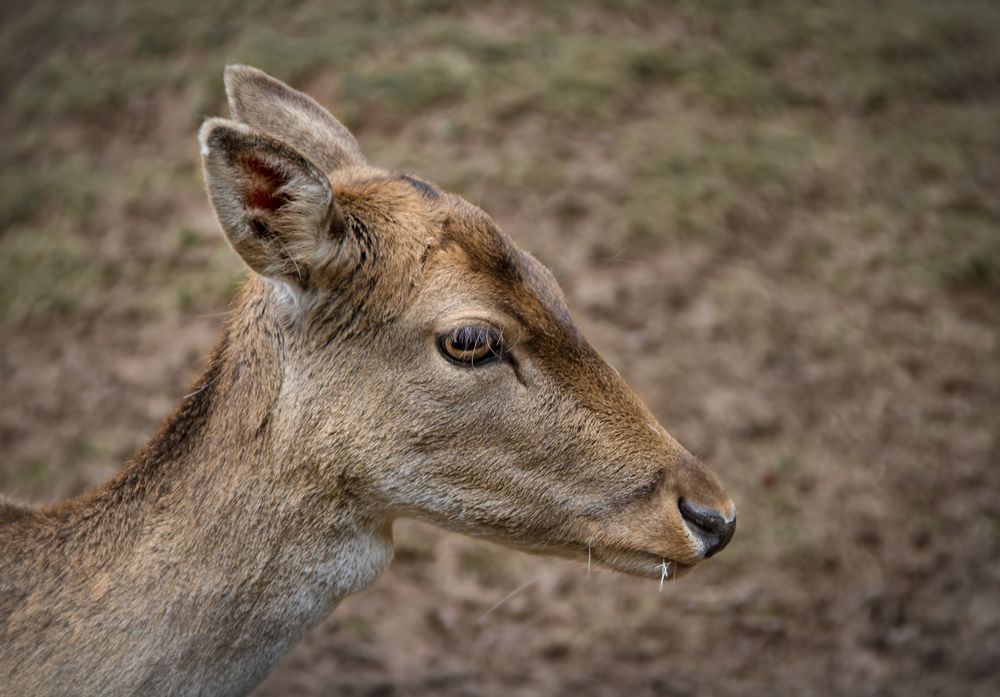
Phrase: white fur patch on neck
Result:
[359,561]
[289,297]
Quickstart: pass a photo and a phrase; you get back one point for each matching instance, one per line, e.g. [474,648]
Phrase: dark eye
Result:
[472,345]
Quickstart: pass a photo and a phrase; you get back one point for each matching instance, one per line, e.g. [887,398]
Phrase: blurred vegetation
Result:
[881,115]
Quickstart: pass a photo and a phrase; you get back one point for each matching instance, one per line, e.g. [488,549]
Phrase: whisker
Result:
[202,388]
[664,567]
[520,589]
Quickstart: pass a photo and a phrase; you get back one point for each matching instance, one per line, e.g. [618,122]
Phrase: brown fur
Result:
[325,413]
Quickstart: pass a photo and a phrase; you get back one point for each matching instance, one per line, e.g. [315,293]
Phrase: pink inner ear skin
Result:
[262,185]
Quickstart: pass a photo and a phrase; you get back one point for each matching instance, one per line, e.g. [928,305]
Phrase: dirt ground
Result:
[780,221]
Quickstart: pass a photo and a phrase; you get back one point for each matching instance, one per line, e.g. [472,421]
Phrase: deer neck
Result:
[210,554]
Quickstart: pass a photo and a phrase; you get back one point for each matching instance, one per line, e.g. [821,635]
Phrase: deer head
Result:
[432,368]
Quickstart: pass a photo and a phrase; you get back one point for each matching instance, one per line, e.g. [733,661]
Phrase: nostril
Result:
[710,526]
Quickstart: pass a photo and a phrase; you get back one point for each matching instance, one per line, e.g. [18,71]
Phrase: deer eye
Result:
[471,345]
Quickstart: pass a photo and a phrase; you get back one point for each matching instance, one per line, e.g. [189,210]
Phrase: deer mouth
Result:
[638,563]
[626,560]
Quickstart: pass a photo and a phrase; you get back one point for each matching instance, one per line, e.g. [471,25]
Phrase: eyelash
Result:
[472,345]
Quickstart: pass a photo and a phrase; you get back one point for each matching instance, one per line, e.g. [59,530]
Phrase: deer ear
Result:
[275,207]
[272,107]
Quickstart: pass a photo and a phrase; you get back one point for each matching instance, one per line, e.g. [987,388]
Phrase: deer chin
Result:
[626,560]
[639,563]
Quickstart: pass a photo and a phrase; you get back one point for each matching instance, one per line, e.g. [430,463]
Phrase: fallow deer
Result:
[392,354]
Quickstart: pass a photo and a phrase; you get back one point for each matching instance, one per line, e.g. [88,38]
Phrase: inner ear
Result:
[265,185]
[276,208]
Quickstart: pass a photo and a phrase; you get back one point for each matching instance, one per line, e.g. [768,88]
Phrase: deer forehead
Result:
[437,242]
[477,266]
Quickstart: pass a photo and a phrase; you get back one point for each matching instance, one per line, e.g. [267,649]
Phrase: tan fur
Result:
[326,412]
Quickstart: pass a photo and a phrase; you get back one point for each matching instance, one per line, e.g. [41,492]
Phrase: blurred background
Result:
[780,220]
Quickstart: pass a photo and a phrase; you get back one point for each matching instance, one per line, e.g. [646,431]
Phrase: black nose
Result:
[708,525]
